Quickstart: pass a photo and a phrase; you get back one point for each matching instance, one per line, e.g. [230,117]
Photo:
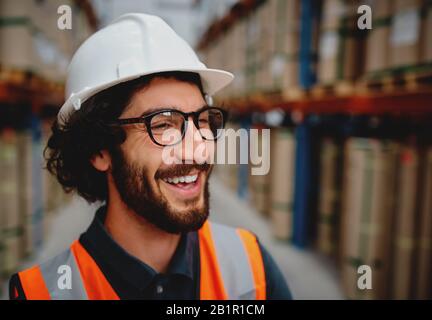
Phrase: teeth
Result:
[182,179]
[190,179]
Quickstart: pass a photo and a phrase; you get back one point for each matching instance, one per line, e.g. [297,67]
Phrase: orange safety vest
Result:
[231,267]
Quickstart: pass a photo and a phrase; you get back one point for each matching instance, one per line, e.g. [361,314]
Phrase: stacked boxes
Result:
[260,184]
[280,45]
[263,49]
[366,215]
[405,39]
[377,44]
[283,62]
[228,171]
[28,197]
[16,25]
[252,52]
[239,60]
[386,219]
[423,259]
[329,199]
[427,34]
[341,44]
[34,41]
[330,41]
[272,46]
[265,43]
[282,182]
[407,204]
[376,209]
[11,222]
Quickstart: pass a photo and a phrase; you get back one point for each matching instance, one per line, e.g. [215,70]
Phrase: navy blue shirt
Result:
[133,279]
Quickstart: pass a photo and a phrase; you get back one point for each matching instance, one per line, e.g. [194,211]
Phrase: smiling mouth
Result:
[185,186]
[182,180]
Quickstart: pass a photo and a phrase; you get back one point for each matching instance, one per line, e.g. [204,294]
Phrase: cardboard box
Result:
[427,35]
[377,47]
[332,13]
[400,5]
[18,53]
[328,56]
[405,47]
[423,258]
[259,184]
[381,9]
[11,8]
[367,215]
[282,182]
[341,52]
[404,238]
[329,196]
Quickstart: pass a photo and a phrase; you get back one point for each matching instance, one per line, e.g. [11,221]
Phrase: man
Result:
[135,90]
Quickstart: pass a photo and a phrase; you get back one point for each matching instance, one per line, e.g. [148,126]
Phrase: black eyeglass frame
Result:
[146,119]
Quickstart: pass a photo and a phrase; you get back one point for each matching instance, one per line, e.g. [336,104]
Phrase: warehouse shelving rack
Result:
[394,93]
[404,92]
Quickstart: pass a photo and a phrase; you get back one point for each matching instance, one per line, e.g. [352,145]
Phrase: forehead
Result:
[164,93]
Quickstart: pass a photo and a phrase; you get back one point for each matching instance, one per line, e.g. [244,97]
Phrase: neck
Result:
[138,237]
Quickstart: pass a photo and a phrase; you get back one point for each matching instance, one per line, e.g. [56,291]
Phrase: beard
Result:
[134,186]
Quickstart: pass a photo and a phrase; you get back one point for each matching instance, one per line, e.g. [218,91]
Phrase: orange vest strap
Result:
[256,262]
[95,283]
[211,283]
[33,284]
[231,264]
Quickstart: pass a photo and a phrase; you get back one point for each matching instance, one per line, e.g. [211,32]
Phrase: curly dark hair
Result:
[87,132]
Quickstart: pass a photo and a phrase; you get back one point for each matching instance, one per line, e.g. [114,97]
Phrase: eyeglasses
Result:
[168,127]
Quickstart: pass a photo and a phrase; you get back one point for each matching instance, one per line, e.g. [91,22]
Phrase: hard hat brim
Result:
[213,80]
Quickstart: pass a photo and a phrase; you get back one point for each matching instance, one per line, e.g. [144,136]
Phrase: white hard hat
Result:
[134,45]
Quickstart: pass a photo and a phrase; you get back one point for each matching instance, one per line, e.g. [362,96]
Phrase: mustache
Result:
[181,170]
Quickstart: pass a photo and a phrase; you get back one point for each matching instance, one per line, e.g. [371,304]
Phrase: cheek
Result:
[145,154]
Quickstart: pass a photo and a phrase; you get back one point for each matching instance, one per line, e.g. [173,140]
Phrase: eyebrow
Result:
[155,109]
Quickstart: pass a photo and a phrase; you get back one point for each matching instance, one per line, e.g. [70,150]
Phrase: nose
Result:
[193,147]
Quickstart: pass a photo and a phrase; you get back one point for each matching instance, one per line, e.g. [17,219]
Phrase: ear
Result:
[101,161]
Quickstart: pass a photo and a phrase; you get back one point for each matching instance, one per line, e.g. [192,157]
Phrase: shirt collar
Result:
[132,269]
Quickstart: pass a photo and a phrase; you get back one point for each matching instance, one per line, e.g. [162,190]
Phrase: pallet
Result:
[21,85]
[15,77]
[263,101]
[338,89]
[294,93]
[393,83]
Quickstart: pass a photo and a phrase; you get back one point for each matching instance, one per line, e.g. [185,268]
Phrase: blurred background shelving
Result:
[34,55]
[350,116]
[350,113]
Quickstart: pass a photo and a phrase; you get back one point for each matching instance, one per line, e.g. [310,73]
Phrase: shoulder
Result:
[234,242]
[229,237]
[277,287]
[223,229]
[24,284]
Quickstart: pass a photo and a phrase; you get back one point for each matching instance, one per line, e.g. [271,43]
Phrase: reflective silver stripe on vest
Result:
[56,274]
[233,263]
